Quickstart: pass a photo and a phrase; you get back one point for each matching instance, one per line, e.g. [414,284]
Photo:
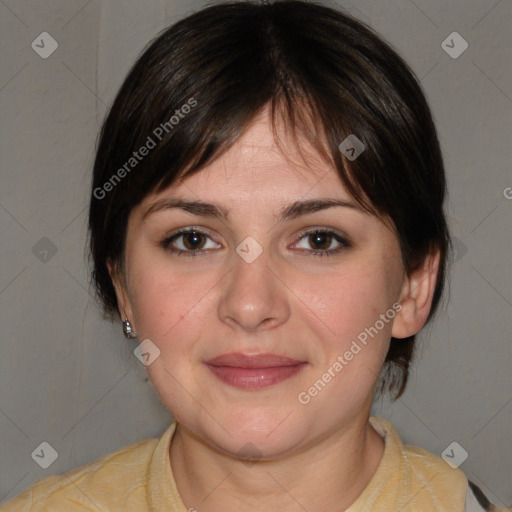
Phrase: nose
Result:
[253,297]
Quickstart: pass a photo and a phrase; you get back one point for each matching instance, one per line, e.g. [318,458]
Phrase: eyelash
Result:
[166,243]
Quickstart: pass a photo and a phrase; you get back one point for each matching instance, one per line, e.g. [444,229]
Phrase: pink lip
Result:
[254,372]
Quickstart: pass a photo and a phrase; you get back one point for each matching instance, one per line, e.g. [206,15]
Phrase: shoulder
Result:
[445,477]
[420,479]
[428,467]
[108,481]
[433,477]
[428,479]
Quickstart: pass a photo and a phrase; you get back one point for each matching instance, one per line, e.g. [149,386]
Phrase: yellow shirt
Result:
[138,478]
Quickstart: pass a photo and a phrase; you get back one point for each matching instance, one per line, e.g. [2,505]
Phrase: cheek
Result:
[352,338]
[167,309]
[165,299]
[347,301]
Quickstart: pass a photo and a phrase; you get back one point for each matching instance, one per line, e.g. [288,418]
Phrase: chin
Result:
[255,447]
[257,434]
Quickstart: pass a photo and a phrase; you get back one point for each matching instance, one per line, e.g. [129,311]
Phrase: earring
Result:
[127,330]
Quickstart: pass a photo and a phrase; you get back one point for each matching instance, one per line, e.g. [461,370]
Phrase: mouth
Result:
[254,372]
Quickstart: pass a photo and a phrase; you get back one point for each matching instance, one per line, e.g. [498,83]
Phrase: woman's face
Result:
[256,287]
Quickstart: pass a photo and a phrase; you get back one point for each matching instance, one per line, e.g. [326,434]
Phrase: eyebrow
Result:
[205,209]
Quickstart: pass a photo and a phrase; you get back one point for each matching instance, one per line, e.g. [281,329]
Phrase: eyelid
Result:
[324,229]
[341,238]
[186,230]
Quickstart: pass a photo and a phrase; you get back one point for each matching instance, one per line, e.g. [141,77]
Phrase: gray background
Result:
[69,378]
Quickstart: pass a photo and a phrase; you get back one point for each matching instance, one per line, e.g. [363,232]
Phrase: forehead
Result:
[257,164]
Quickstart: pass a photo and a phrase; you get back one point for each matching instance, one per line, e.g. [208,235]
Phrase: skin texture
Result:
[321,454]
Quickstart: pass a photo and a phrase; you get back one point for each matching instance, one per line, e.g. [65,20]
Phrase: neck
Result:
[330,474]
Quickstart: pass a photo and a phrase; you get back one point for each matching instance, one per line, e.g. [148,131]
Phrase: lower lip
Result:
[254,378]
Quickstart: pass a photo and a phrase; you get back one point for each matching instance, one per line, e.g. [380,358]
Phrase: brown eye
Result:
[320,241]
[188,242]
[193,240]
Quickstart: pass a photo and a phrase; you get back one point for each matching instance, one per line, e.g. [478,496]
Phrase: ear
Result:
[416,298]
[123,300]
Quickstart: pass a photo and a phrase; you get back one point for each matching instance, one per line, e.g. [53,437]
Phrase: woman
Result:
[267,219]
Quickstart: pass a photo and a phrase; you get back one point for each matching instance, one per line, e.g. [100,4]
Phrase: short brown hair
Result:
[325,73]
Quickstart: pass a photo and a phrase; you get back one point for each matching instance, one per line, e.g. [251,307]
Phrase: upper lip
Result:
[238,360]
